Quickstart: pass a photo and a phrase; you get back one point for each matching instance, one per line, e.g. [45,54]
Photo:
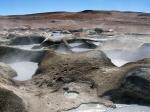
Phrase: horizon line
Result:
[58,11]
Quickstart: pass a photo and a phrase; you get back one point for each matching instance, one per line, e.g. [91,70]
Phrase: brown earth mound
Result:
[9,102]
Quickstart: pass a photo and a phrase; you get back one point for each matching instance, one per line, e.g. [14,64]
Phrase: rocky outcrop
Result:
[137,83]
[134,85]
[9,102]
[6,74]
[99,30]
[71,67]
[7,71]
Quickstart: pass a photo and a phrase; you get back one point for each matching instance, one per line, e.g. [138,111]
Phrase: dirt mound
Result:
[9,102]
[6,74]
[134,85]
[60,69]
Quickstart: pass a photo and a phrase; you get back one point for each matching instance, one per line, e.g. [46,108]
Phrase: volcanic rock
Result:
[10,102]
[76,67]
[6,70]
[137,83]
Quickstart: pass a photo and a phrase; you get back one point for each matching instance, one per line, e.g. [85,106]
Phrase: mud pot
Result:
[24,70]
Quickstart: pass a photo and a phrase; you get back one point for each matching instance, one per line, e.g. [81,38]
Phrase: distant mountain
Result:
[120,21]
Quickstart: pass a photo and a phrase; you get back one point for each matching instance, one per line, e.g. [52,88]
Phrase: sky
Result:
[16,7]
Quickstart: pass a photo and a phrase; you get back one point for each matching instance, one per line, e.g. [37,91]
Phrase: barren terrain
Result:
[89,61]
[119,21]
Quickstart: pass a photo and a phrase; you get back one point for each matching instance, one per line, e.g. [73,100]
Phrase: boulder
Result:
[98,30]
[10,102]
[7,71]
[77,67]
[137,83]
[134,86]
[6,74]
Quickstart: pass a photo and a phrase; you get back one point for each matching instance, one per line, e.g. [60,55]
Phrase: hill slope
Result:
[119,21]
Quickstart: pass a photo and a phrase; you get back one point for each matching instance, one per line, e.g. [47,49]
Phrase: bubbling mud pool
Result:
[101,108]
[24,70]
[26,47]
[120,57]
[127,48]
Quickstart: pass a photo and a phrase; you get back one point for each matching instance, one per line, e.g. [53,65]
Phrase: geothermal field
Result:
[89,61]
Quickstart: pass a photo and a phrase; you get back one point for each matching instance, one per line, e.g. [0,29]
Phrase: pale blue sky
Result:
[11,7]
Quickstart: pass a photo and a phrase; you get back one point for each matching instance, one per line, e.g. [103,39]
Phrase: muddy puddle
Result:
[24,70]
[120,57]
[22,58]
[27,47]
[91,107]
[71,94]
